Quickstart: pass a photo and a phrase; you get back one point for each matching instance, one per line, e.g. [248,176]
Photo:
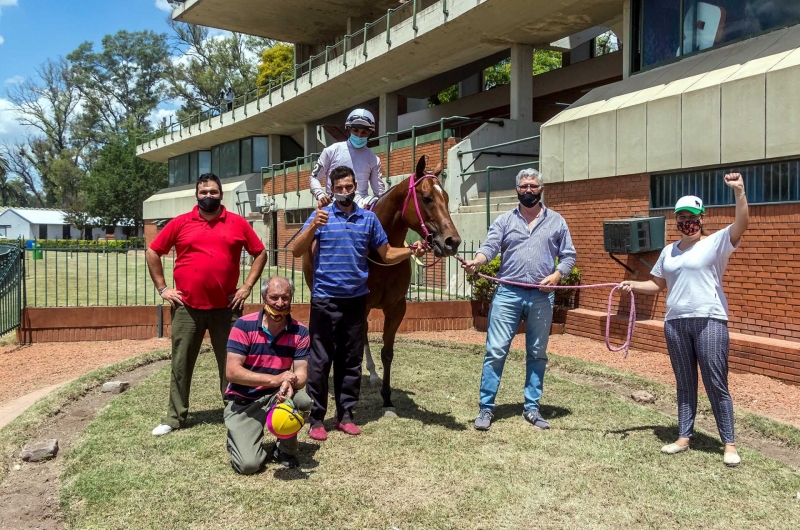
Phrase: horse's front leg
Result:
[393,317]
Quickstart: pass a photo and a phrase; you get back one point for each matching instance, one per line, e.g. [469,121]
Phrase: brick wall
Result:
[150,232]
[748,353]
[762,280]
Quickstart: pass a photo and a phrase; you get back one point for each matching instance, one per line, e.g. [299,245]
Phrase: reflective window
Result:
[247,156]
[260,153]
[229,160]
[666,30]
[204,162]
[764,183]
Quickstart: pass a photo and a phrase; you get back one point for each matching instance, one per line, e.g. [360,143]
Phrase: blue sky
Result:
[31,31]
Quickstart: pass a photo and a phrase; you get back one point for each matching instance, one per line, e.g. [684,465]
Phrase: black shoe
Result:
[533,417]
[285,460]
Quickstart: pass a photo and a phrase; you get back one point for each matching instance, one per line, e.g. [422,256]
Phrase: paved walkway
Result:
[11,409]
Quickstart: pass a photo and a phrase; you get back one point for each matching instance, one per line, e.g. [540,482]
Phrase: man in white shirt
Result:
[355,154]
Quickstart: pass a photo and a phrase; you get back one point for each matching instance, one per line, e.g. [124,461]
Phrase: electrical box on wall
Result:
[634,235]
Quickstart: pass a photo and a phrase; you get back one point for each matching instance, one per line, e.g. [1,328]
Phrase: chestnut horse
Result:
[398,210]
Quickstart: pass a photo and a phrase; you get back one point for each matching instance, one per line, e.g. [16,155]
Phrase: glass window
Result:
[193,174]
[229,160]
[260,153]
[171,172]
[203,162]
[182,170]
[667,30]
[215,160]
[764,183]
[246,156]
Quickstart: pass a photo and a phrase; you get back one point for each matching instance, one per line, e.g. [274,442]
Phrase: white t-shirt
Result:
[694,277]
[364,163]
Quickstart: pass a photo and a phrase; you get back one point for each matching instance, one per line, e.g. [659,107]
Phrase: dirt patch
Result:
[26,368]
[29,496]
[758,394]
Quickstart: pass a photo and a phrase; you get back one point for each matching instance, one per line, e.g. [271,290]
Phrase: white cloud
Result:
[5,3]
[10,130]
[17,79]
[2,40]
[163,5]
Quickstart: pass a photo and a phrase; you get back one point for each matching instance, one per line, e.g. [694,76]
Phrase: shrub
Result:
[483,289]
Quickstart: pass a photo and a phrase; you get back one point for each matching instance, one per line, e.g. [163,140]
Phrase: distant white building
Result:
[44,223]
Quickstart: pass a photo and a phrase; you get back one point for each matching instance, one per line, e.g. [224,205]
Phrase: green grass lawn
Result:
[598,467]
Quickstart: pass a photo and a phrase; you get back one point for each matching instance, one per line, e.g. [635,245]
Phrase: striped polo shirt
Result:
[340,262]
[265,354]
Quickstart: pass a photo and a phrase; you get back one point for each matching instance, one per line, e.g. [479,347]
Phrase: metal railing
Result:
[452,121]
[489,149]
[119,277]
[349,43]
[12,287]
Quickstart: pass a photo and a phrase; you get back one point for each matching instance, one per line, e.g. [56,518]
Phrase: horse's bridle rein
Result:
[412,191]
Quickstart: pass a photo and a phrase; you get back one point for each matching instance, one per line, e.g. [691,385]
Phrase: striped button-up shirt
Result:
[529,256]
[340,262]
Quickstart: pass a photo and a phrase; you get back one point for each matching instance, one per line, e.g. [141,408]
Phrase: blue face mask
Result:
[357,142]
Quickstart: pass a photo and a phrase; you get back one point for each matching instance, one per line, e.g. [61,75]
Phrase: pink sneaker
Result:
[318,432]
[349,428]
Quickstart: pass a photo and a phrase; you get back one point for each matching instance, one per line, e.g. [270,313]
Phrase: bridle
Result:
[412,192]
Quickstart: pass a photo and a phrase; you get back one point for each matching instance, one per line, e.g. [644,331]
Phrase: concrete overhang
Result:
[733,105]
[441,43]
[171,202]
[306,21]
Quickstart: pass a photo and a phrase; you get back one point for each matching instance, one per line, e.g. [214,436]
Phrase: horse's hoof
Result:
[389,412]
[375,381]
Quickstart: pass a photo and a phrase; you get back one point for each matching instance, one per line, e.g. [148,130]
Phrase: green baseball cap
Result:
[690,203]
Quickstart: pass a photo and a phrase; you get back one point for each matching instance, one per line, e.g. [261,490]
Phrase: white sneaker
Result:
[731,459]
[162,430]
[673,449]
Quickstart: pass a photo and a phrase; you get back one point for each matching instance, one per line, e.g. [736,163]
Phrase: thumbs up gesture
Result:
[321,217]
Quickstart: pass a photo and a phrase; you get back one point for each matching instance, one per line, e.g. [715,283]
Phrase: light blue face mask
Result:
[358,142]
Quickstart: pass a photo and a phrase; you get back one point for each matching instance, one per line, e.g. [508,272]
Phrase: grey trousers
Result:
[245,425]
[703,341]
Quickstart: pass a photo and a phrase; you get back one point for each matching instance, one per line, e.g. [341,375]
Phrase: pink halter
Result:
[412,191]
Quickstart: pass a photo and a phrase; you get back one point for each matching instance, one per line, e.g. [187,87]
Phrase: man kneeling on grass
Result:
[267,363]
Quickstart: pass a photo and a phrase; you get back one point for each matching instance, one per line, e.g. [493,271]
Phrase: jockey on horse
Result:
[355,154]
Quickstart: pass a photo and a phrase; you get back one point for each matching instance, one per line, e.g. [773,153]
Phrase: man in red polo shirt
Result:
[208,242]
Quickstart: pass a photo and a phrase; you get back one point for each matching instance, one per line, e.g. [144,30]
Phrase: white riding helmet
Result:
[362,118]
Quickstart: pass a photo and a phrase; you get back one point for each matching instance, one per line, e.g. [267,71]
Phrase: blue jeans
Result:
[509,305]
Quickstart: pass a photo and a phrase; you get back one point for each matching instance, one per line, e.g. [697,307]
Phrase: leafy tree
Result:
[276,60]
[605,43]
[210,64]
[119,182]
[123,82]
[500,74]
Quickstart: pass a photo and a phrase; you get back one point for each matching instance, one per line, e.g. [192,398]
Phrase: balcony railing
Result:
[278,87]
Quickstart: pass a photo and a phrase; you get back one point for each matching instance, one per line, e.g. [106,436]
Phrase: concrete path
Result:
[11,409]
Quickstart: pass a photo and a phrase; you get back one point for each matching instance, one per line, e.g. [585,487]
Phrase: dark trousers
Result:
[189,326]
[337,330]
[703,341]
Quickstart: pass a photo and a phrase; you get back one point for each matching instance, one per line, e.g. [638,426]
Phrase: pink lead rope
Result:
[412,192]
[614,286]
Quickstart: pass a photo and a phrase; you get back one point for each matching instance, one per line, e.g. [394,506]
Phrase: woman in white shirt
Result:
[695,325]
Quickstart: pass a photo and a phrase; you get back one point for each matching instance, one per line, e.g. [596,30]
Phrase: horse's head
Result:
[431,208]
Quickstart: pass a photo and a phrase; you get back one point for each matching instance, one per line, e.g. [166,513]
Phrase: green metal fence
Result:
[12,287]
[120,277]
[316,65]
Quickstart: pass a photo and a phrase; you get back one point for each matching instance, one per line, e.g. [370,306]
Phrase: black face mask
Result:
[528,199]
[345,199]
[208,204]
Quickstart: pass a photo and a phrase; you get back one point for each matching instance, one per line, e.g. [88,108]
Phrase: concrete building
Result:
[698,88]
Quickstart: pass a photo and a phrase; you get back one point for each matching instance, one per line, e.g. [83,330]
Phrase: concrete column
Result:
[309,139]
[522,82]
[387,114]
[471,85]
[274,148]
[625,39]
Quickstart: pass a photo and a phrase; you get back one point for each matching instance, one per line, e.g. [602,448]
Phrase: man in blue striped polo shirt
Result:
[529,238]
[344,234]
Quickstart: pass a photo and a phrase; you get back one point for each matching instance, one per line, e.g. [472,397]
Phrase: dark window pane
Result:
[229,160]
[204,162]
[215,160]
[260,153]
[660,31]
[246,156]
